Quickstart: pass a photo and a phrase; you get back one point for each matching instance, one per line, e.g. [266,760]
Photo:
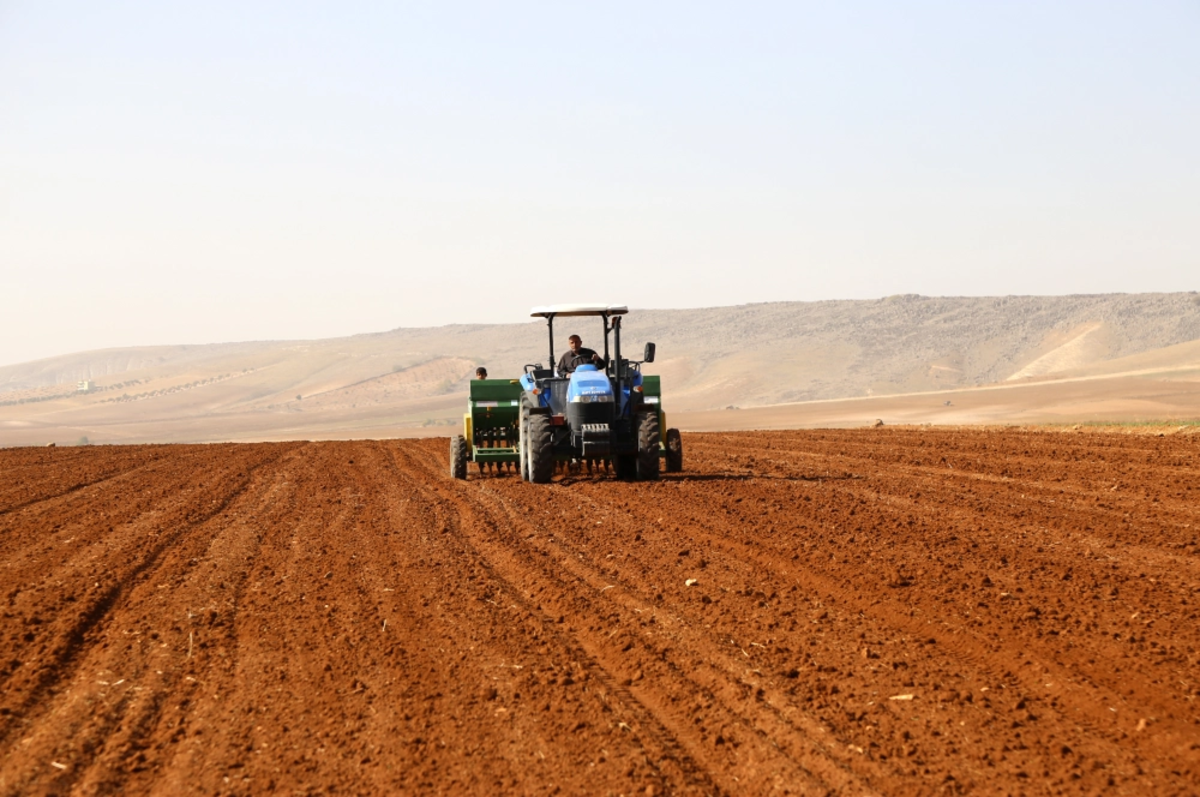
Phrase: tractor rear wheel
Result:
[674,451]
[458,457]
[648,442]
[541,449]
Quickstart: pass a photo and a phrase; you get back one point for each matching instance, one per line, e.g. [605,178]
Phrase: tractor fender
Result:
[530,405]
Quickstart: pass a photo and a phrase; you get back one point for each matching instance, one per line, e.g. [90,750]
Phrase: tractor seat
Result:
[542,373]
[625,365]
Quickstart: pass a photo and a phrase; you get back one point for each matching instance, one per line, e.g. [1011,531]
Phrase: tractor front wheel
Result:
[541,449]
[674,451]
[458,457]
[648,441]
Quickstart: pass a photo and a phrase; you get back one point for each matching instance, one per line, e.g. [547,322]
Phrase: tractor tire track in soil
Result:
[883,611]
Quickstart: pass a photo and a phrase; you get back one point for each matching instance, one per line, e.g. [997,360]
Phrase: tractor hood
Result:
[589,385]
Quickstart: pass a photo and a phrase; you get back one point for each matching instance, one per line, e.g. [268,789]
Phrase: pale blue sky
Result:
[234,171]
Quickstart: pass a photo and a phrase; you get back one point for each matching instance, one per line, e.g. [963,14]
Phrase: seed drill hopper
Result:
[600,417]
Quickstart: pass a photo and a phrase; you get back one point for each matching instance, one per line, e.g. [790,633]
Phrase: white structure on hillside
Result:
[85,386]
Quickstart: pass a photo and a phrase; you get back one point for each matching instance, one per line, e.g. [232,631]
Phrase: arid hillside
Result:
[408,380]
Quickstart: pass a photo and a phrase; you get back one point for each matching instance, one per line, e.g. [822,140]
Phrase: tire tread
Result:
[648,441]
[541,452]
[458,457]
[674,458]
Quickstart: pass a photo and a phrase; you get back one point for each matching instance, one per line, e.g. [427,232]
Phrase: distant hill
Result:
[747,356]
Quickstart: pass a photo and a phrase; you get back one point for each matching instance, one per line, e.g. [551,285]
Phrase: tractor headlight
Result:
[586,399]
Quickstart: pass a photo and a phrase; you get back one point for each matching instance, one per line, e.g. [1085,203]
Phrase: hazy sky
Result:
[203,172]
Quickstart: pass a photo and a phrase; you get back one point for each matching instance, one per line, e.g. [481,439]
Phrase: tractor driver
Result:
[577,355]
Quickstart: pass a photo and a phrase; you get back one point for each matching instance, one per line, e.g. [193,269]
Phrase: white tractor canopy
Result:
[549,310]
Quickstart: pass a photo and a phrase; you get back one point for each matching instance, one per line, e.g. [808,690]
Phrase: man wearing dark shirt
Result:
[577,355]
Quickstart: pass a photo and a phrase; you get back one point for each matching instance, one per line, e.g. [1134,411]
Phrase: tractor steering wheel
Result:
[577,361]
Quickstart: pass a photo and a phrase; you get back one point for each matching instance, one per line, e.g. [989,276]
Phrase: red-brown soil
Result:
[875,612]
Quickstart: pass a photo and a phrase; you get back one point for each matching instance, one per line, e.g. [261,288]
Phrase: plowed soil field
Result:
[854,612]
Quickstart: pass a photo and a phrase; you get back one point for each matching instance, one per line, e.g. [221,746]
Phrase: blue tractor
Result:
[599,416]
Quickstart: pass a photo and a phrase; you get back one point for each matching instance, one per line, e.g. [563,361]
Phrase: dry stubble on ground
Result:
[874,612]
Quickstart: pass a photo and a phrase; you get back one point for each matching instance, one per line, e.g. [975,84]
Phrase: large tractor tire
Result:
[648,441]
[458,457]
[541,450]
[674,458]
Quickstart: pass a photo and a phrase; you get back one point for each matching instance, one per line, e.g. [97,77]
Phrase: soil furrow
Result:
[888,611]
[48,479]
[504,561]
[79,650]
[780,734]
